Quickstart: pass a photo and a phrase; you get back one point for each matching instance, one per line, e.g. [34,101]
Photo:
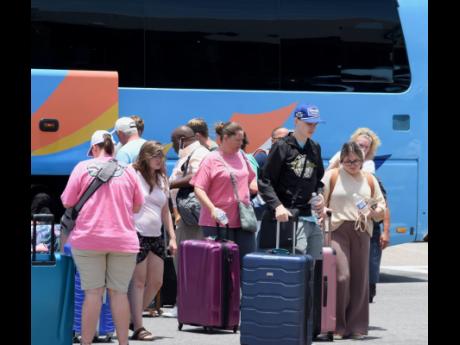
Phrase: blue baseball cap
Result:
[308,113]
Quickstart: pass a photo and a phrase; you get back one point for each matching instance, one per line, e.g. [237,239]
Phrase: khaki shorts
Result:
[104,269]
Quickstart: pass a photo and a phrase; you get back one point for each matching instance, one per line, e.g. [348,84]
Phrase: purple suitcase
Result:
[326,287]
[209,284]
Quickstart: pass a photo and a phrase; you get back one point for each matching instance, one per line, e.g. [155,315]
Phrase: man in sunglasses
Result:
[190,153]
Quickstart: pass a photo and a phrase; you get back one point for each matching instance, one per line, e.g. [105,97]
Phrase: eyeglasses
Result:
[354,162]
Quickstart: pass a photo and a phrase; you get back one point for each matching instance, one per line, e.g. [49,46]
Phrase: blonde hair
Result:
[199,125]
[373,138]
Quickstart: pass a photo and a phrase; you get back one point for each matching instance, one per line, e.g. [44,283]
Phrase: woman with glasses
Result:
[368,141]
[351,233]
[148,274]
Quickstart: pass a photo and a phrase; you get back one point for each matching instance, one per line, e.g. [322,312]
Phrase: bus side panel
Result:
[414,23]
[400,179]
[82,102]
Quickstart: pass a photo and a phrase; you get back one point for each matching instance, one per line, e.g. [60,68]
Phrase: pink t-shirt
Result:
[214,178]
[106,221]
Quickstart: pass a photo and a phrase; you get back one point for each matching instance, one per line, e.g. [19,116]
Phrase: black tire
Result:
[180,326]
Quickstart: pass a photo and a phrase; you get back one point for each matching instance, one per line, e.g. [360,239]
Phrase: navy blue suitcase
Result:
[276,306]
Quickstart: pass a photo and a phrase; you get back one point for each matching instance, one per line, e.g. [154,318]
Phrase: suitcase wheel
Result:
[330,336]
[180,326]
[235,329]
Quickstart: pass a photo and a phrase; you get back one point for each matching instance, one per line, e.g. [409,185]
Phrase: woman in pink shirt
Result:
[104,241]
[214,190]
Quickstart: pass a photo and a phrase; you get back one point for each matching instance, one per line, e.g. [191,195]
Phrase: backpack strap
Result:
[259,150]
[185,165]
[332,182]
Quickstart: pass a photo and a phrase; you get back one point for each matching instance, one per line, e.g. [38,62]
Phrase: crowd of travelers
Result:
[117,241]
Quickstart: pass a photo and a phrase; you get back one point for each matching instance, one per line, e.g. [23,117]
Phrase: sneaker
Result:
[171,313]
[338,336]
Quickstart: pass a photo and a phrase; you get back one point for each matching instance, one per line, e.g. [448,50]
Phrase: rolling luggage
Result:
[52,289]
[168,291]
[277,289]
[209,284]
[105,327]
[324,315]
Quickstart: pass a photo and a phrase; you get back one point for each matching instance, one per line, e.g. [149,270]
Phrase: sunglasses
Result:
[157,155]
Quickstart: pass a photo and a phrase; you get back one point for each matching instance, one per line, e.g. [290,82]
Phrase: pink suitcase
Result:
[326,288]
[209,284]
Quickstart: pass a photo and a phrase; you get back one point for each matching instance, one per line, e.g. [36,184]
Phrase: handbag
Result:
[247,215]
[70,215]
[187,204]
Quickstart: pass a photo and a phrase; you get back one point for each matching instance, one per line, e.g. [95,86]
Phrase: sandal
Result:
[358,336]
[142,334]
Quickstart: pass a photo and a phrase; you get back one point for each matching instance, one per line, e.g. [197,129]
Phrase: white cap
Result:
[97,138]
[126,125]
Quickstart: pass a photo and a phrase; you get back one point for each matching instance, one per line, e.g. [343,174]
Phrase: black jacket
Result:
[281,181]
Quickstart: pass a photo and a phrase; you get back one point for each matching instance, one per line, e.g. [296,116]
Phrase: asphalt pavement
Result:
[398,316]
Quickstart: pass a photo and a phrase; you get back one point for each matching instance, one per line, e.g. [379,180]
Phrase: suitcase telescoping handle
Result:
[43,217]
[294,227]
[327,229]
[222,232]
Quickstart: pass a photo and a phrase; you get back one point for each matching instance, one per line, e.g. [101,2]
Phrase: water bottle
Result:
[361,204]
[313,202]
[221,216]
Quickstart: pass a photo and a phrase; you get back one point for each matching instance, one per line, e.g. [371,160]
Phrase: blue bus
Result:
[364,63]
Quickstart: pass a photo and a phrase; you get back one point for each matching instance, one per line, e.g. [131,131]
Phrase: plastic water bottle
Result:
[361,204]
[221,216]
[315,199]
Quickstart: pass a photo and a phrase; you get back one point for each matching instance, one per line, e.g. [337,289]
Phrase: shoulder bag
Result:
[247,215]
[188,205]
[70,215]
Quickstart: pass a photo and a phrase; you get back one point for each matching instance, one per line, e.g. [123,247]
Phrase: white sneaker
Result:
[171,313]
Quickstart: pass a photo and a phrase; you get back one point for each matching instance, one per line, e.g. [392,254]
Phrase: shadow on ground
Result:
[395,278]
[200,330]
